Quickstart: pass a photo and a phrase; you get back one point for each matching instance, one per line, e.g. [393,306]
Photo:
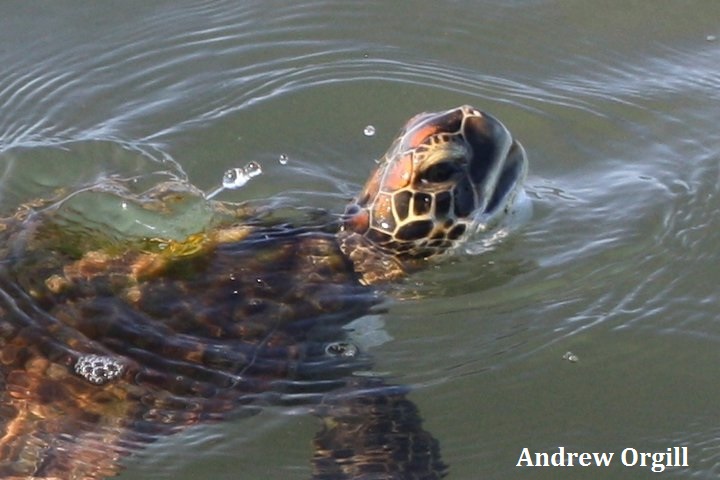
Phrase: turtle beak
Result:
[497,163]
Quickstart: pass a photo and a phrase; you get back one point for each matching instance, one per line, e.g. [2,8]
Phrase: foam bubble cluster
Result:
[98,369]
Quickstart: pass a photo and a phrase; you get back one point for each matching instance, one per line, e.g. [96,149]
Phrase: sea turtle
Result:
[106,345]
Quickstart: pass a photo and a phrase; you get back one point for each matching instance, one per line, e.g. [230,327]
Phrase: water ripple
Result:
[169,70]
[675,72]
[622,142]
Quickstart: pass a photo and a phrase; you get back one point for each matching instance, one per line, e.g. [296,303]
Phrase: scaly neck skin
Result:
[372,264]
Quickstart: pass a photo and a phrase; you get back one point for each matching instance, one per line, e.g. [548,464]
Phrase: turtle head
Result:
[447,174]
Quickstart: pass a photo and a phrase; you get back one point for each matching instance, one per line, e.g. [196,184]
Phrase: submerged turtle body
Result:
[106,346]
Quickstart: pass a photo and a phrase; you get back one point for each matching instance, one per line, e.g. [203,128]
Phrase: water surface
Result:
[615,102]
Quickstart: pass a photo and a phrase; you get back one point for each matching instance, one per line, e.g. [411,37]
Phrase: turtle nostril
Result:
[356,219]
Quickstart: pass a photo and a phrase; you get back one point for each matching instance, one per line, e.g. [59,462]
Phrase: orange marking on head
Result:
[418,136]
[398,174]
[359,222]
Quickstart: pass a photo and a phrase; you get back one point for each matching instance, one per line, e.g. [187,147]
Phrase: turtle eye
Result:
[439,172]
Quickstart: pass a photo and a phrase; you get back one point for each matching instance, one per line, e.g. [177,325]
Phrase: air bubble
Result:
[98,369]
[341,349]
[571,357]
[237,177]
[283,159]
[369,131]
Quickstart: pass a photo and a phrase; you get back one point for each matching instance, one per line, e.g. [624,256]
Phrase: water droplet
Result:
[283,159]
[252,169]
[570,357]
[369,131]
[238,177]
[230,177]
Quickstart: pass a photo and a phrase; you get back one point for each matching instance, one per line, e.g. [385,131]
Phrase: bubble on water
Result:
[571,357]
[253,169]
[341,349]
[369,131]
[98,369]
[230,177]
[283,159]
[237,177]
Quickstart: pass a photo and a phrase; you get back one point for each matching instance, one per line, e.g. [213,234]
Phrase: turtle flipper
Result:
[373,431]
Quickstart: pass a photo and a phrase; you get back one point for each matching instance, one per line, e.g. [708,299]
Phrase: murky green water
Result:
[616,103]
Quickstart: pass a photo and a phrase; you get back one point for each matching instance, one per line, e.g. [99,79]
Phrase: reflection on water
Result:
[618,263]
